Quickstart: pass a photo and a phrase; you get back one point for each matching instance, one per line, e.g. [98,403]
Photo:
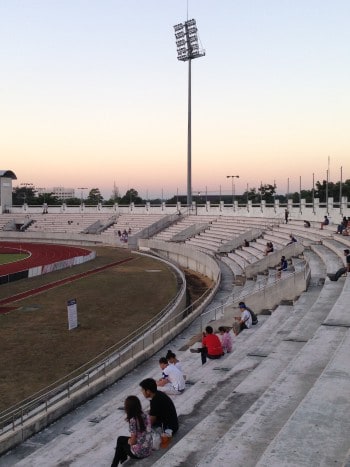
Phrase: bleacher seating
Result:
[280,398]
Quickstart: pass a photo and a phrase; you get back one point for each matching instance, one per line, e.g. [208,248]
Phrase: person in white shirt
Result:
[245,321]
[172,360]
[172,381]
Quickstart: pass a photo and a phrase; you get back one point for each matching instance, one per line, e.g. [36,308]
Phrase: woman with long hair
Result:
[139,444]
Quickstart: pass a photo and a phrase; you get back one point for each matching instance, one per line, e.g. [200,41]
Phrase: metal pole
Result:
[327,194]
[313,193]
[189,141]
[341,191]
[247,197]
[233,193]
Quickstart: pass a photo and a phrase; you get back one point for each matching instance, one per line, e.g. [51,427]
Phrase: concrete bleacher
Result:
[280,398]
[134,222]
[73,223]
[182,224]
[59,223]
[233,265]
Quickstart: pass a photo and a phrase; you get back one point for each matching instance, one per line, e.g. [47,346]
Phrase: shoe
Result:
[194,350]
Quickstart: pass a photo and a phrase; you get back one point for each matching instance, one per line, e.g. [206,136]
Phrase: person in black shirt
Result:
[162,409]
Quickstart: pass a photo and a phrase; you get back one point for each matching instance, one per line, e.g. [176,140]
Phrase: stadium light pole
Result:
[232,177]
[188,49]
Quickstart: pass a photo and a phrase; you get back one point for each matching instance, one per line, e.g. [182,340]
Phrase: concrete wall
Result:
[5,194]
[185,256]
[50,237]
[273,259]
[289,287]
[297,211]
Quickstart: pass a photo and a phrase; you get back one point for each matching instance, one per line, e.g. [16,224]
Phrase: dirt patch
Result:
[197,284]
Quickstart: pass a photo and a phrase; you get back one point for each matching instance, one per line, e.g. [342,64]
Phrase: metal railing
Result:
[301,268]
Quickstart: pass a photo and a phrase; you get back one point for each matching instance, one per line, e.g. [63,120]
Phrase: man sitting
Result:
[245,321]
[162,409]
[212,347]
[283,266]
[172,381]
[325,222]
[292,239]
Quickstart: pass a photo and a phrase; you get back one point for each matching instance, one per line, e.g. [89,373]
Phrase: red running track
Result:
[40,255]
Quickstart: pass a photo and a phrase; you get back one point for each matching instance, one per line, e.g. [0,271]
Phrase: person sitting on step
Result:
[172,381]
[212,347]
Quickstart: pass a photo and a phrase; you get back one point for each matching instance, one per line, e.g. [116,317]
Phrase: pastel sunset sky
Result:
[92,94]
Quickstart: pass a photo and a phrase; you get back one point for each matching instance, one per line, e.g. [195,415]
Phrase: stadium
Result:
[280,398]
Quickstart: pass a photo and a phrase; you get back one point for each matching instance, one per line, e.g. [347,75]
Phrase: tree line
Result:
[266,192]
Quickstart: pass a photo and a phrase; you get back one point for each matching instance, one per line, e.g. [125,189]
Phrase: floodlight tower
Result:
[187,49]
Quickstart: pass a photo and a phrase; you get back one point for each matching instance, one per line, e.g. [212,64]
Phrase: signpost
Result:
[72,314]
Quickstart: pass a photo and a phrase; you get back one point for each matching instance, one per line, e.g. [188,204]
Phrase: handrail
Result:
[231,299]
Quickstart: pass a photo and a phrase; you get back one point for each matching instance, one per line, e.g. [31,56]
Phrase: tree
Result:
[23,194]
[267,192]
[49,199]
[131,196]
[94,197]
[252,195]
[72,201]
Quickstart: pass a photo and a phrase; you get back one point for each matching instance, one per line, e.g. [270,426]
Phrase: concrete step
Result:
[330,259]
[316,434]
[246,441]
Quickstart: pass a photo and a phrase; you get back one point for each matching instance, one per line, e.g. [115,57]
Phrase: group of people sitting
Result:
[172,381]
[124,236]
[215,346]
[162,416]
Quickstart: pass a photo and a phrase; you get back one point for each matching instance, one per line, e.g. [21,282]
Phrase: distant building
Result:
[6,177]
[58,191]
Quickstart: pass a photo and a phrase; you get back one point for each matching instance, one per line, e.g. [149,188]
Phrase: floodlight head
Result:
[189,49]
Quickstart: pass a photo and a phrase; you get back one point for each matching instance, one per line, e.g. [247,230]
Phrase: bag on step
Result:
[254,317]
[156,440]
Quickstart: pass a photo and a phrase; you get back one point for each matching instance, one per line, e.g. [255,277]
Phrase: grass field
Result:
[36,348]
[12,257]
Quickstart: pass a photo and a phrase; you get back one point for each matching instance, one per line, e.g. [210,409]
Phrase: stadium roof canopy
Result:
[8,174]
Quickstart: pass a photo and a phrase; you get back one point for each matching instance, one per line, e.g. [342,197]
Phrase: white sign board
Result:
[72,314]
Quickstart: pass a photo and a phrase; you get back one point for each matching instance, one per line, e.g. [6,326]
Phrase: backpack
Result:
[254,317]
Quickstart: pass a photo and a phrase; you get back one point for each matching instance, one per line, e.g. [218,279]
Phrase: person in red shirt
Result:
[212,347]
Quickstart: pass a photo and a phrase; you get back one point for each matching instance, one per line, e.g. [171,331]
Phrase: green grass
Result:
[6,258]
